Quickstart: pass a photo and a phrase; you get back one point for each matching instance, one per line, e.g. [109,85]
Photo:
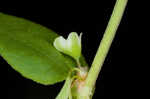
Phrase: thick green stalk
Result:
[105,45]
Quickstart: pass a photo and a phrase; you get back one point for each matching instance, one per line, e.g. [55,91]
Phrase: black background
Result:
[91,21]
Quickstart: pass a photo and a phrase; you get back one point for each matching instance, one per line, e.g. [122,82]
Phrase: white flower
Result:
[70,46]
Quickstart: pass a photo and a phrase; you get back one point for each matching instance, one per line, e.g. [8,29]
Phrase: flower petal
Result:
[60,44]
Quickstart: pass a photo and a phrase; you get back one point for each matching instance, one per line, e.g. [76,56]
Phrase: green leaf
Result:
[28,48]
[66,90]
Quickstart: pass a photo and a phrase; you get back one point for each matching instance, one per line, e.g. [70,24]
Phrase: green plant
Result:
[30,48]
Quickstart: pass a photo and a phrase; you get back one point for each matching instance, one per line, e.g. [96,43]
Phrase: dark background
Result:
[91,21]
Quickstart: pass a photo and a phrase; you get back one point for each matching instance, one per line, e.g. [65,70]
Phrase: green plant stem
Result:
[106,43]
[78,63]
